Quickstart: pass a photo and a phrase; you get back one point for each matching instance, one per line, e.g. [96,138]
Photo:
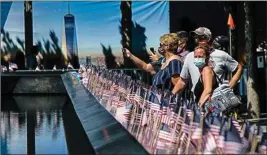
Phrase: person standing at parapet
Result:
[220,61]
[182,49]
[31,58]
[170,69]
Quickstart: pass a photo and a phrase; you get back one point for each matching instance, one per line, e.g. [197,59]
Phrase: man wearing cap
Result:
[220,61]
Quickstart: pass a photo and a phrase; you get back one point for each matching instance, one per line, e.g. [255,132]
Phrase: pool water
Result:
[33,124]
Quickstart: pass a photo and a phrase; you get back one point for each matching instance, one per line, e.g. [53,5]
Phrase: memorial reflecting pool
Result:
[35,125]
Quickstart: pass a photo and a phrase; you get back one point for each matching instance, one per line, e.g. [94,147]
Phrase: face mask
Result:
[179,50]
[199,62]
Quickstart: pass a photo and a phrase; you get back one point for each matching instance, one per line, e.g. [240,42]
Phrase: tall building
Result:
[69,40]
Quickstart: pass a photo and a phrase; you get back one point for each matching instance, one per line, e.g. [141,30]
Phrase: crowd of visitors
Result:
[199,71]
[173,67]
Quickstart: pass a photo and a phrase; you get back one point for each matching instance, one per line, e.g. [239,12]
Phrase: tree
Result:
[253,97]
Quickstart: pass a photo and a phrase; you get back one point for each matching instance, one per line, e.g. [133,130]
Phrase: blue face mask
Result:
[199,62]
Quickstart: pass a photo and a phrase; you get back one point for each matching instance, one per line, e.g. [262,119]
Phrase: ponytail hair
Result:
[205,47]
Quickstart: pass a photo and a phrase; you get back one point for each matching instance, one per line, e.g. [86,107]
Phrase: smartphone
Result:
[123,50]
[152,50]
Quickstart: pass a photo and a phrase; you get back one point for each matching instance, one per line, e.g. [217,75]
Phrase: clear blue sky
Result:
[96,22]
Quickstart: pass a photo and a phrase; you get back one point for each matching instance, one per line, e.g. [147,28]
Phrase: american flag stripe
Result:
[120,103]
[130,97]
[115,99]
[144,118]
[105,96]
[180,120]
[220,141]
[237,126]
[123,114]
[245,142]
[196,135]
[162,145]
[155,107]
[98,85]
[85,80]
[165,119]
[137,118]
[209,142]
[122,90]
[137,99]
[215,130]
[232,147]
[146,102]
[114,87]
[263,149]
[107,92]
[184,138]
[195,125]
[164,148]
[185,128]
[189,112]
[166,136]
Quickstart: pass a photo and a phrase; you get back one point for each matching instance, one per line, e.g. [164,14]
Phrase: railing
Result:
[48,70]
[136,74]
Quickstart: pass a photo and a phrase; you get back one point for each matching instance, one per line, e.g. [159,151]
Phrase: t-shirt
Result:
[220,61]
[157,64]
[163,77]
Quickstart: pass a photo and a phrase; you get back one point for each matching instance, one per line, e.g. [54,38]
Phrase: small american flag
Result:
[232,148]
[263,149]
[215,123]
[209,142]
[114,87]
[186,125]
[13,65]
[233,143]
[122,90]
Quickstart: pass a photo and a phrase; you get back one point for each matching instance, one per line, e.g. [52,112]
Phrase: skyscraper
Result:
[69,40]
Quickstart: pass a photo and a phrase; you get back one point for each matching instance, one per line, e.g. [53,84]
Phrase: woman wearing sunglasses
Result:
[169,72]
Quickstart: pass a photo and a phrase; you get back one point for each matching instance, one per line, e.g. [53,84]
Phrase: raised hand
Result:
[153,57]
[126,52]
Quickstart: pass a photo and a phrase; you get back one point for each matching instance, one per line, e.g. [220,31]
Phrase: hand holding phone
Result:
[126,52]
[152,50]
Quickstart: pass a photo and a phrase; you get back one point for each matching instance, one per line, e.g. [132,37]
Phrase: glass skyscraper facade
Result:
[69,40]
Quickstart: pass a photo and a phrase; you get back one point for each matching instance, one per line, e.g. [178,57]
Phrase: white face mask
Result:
[199,62]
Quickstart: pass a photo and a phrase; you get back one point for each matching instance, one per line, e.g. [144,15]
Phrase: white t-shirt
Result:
[220,61]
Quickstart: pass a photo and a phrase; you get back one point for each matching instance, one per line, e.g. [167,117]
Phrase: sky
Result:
[96,22]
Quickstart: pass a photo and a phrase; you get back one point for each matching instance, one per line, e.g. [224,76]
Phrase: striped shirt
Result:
[163,78]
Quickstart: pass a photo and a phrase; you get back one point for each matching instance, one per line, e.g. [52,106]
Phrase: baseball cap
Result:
[202,31]
[221,41]
[183,35]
